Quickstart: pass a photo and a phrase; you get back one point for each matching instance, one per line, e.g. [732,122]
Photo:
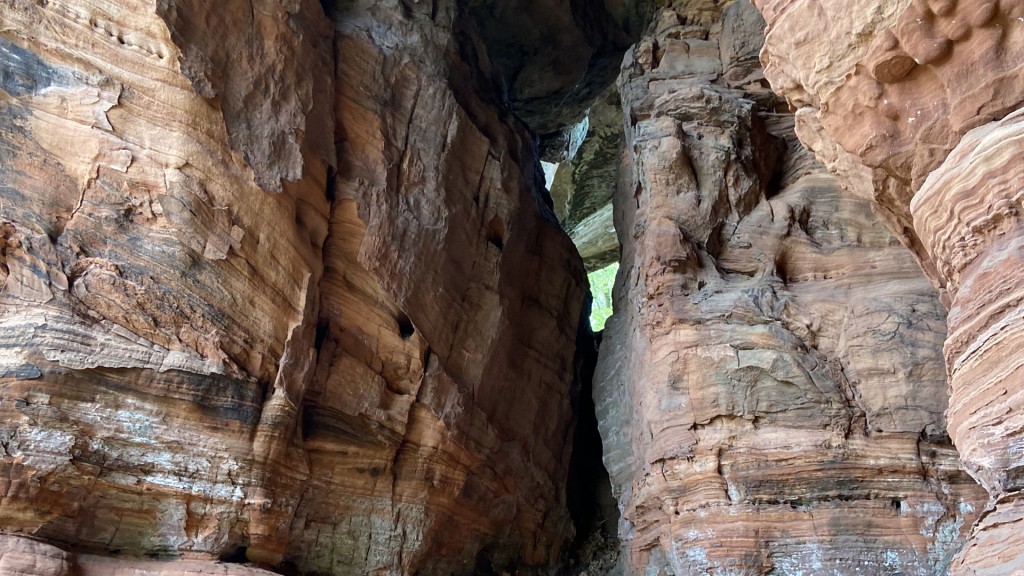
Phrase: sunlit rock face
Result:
[922,102]
[267,304]
[164,218]
[771,389]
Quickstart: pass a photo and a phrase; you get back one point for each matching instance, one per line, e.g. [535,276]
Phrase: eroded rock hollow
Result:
[284,292]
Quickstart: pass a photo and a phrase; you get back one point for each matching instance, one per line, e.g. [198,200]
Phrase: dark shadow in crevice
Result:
[593,509]
[405,327]
[235,556]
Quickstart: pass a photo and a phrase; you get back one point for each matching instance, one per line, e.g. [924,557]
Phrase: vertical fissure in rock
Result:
[581,183]
[594,549]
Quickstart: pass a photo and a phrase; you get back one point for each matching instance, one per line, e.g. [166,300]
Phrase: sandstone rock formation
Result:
[162,264]
[771,388]
[924,100]
[584,185]
[25,557]
[264,304]
[554,57]
[281,292]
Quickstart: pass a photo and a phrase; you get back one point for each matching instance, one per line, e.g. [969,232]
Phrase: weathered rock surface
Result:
[978,248]
[280,291]
[158,305]
[771,388]
[441,404]
[222,335]
[897,84]
[24,557]
[553,57]
[926,99]
[585,184]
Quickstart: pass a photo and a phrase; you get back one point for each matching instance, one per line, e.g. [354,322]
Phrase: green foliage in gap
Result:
[601,287]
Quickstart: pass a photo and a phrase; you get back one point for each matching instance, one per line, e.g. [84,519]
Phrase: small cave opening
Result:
[235,555]
[405,327]
[496,232]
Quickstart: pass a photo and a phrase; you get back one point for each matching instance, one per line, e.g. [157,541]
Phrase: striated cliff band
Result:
[283,289]
[918,106]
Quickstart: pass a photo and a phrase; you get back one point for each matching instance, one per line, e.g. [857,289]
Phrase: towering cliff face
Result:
[770,389]
[261,303]
[924,102]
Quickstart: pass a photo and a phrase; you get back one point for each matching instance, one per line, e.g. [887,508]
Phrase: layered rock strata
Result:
[163,217]
[27,557]
[771,389]
[451,301]
[925,99]
[264,305]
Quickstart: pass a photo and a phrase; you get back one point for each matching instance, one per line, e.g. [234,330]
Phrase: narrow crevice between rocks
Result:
[594,550]
[595,547]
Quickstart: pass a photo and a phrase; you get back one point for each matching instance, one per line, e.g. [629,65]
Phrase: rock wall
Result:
[280,287]
[451,301]
[584,185]
[771,389]
[264,304]
[161,271]
[924,102]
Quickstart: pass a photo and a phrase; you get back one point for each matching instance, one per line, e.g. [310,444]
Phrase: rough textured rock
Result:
[897,84]
[978,248]
[926,98]
[215,344]
[771,388]
[25,557]
[157,321]
[280,289]
[555,56]
[585,183]
[449,322]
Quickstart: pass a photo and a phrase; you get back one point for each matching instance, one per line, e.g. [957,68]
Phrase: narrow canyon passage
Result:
[286,288]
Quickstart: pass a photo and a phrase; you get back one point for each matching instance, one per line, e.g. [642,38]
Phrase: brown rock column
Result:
[770,389]
[920,101]
[968,213]
[438,422]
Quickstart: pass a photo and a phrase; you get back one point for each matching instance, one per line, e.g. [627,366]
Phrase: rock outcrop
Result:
[26,557]
[281,291]
[585,183]
[161,270]
[771,389]
[451,301]
[553,57]
[923,100]
[266,305]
